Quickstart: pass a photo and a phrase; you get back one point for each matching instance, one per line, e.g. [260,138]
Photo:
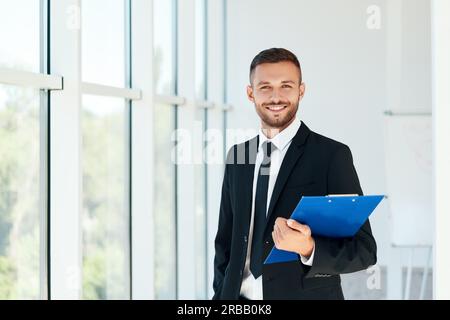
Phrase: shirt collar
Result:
[282,139]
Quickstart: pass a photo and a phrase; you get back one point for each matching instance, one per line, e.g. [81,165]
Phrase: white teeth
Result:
[276,108]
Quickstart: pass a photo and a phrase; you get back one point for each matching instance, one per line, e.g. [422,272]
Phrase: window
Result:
[23,154]
[164,203]
[200,208]
[20,178]
[88,168]
[200,49]
[103,42]
[164,37]
[20,35]
[105,153]
[165,115]
[201,115]
[105,198]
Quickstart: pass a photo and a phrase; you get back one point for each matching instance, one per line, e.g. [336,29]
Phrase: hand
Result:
[289,235]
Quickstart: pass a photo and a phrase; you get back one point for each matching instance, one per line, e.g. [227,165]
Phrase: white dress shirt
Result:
[252,288]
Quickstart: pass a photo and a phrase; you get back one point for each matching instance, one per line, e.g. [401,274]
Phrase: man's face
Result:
[276,92]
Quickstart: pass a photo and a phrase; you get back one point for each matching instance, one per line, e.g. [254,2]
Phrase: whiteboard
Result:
[408,157]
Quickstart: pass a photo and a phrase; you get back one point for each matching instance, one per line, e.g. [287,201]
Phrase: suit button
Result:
[240,272]
[245,238]
[267,242]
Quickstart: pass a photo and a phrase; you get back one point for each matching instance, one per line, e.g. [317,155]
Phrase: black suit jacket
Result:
[313,165]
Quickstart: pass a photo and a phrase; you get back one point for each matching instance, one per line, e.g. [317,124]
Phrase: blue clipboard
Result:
[329,216]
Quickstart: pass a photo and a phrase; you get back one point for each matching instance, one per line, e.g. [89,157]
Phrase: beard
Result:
[279,120]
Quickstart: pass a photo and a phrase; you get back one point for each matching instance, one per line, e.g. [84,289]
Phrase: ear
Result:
[302,90]
[250,93]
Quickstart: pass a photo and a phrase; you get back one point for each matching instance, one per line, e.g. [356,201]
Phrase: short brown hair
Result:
[274,55]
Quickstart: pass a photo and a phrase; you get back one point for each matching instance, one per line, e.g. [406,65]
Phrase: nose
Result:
[276,98]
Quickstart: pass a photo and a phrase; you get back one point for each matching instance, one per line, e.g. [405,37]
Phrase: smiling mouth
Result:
[276,108]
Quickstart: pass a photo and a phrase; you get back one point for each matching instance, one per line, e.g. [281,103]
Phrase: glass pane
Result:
[200,49]
[105,216]
[164,204]
[200,208]
[19,193]
[103,42]
[200,167]
[164,51]
[19,34]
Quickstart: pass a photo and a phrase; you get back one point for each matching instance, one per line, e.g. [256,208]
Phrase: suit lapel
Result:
[248,169]
[292,156]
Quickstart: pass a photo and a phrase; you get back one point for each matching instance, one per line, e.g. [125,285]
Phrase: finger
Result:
[275,239]
[303,228]
[280,221]
[283,230]
[284,226]
[279,233]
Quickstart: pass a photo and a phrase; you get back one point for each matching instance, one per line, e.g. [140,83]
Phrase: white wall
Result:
[347,69]
[441,103]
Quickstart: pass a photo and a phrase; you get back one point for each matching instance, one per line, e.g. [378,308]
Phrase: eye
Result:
[265,87]
[286,86]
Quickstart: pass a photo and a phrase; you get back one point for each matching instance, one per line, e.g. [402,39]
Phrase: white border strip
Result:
[30,79]
[109,91]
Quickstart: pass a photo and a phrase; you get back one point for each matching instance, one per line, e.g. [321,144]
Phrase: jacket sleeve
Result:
[336,255]
[224,233]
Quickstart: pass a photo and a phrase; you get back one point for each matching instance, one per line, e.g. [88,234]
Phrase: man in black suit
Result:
[265,178]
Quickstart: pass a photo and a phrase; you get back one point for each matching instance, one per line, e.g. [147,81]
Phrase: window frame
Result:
[62,88]
[45,83]
[66,175]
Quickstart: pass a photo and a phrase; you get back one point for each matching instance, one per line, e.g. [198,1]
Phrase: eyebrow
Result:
[265,82]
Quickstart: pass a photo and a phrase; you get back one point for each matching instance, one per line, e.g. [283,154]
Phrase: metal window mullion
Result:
[176,113]
[209,105]
[65,153]
[44,284]
[128,140]
[225,71]
[142,152]
[186,286]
